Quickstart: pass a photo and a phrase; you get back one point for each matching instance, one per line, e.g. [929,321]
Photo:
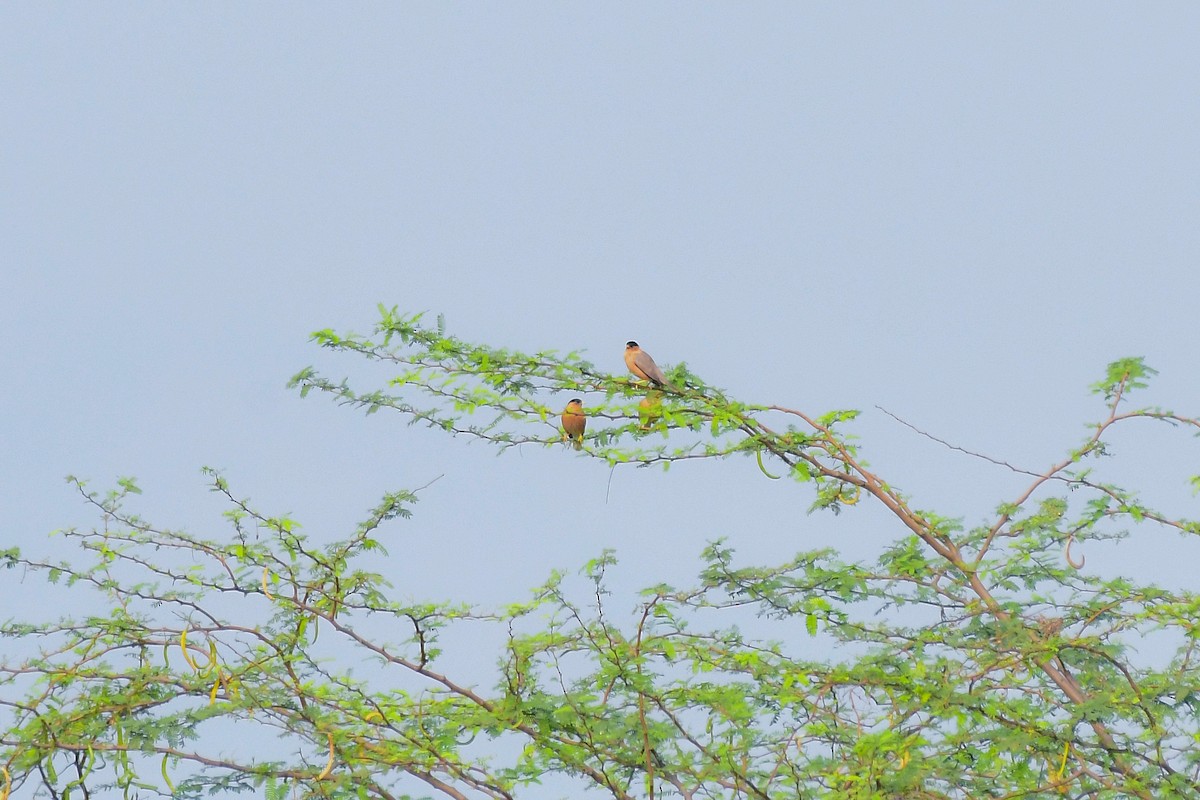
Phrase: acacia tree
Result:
[964,662]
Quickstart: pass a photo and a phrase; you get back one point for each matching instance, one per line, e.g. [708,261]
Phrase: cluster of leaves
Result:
[961,663]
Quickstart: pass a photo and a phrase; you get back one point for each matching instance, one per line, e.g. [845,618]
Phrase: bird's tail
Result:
[577,443]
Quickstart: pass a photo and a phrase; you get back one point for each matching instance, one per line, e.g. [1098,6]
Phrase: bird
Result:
[649,410]
[574,422]
[642,365]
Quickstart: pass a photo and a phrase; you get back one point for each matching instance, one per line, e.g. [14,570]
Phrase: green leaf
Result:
[1124,375]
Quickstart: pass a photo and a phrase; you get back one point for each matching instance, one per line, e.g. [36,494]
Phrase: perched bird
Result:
[642,365]
[649,410]
[574,422]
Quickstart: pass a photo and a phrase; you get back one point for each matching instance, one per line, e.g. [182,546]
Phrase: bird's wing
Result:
[646,364]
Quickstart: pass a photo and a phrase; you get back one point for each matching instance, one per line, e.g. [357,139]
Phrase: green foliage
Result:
[970,659]
[1123,377]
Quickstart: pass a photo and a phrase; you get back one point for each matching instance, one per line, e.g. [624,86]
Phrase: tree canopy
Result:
[979,660]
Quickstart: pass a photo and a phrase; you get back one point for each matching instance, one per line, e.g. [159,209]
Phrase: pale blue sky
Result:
[960,212]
